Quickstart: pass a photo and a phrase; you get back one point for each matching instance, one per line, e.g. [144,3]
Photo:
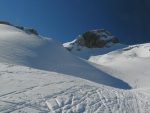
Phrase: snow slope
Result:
[37,75]
[130,64]
[27,90]
[18,47]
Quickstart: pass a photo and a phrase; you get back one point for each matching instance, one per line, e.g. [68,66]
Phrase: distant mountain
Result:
[94,42]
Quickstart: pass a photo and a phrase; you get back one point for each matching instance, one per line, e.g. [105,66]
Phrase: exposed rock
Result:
[27,30]
[31,31]
[92,39]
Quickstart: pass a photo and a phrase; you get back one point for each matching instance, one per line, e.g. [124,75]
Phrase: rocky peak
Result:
[93,39]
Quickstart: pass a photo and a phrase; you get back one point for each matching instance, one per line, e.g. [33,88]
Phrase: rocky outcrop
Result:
[93,39]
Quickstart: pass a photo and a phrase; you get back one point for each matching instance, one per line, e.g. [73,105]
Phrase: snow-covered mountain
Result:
[21,48]
[38,75]
[92,43]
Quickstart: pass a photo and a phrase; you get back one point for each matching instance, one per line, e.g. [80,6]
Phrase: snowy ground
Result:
[24,89]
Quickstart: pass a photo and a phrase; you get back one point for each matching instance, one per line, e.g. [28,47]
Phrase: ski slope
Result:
[38,75]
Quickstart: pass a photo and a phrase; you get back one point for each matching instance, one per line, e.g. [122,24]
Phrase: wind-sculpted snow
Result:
[18,47]
[27,90]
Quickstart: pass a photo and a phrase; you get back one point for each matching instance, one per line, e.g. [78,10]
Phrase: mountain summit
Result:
[93,42]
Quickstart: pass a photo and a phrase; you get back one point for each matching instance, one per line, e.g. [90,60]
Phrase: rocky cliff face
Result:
[93,39]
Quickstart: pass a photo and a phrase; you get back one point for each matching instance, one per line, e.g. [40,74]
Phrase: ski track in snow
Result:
[29,90]
[99,100]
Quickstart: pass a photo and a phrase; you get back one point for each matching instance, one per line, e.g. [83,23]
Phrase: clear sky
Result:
[63,20]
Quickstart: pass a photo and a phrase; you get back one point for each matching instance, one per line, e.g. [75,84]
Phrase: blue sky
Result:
[63,20]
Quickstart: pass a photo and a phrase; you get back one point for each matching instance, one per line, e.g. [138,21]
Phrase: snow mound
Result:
[130,64]
[21,48]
